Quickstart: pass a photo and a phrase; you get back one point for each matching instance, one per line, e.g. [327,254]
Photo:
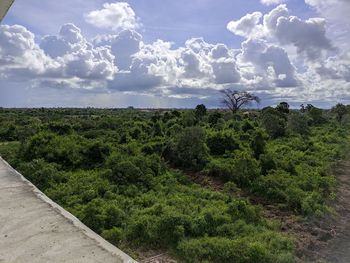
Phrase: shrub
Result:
[221,169]
[190,149]
[114,235]
[40,173]
[222,141]
[298,124]
[219,249]
[273,122]
[246,169]
[93,215]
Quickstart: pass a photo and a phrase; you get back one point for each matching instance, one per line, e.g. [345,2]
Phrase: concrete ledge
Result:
[33,228]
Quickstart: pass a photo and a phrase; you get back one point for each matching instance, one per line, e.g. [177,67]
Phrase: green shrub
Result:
[114,235]
[190,149]
[220,142]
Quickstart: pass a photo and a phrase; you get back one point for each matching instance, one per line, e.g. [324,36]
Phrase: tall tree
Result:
[200,111]
[234,99]
[340,110]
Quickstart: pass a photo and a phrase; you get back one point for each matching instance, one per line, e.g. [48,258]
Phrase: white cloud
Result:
[332,9]
[20,53]
[270,63]
[116,16]
[123,63]
[64,60]
[77,57]
[336,13]
[123,46]
[308,36]
[247,26]
[69,40]
[271,19]
[271,2]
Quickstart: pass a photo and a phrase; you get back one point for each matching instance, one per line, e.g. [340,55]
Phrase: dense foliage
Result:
[127,173]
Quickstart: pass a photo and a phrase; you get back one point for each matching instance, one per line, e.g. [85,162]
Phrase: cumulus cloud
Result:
[123,63]
[308,36]
[77,57]
[19,52]
[268,62]
[123,46]
[335,67]
[271,2]
[247,26]
[116,16]
[64,60]
[332,9]
[68,40]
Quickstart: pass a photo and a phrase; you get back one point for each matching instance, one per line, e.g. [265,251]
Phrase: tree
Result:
[234,99]
[339,110]
[191,150]
[283,107]
[200,111]
[316,114]
[220,142]
[214,117]
[298,123]
[274,122]
[258,144]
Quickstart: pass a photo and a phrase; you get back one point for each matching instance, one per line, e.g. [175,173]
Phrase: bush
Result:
[93,215]
[190,149]
[219,249]
[220,142]
[246,169]
[40,173]
[114,235]
[221,169]
[273,122]
[298,124]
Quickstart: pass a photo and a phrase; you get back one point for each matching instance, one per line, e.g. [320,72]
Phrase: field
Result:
[183,181]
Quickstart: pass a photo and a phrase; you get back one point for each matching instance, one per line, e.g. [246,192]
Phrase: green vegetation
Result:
[127,173]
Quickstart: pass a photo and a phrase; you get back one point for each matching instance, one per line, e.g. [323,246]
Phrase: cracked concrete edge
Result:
[102,243]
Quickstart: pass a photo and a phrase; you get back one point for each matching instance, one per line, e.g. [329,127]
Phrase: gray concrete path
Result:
[35,229]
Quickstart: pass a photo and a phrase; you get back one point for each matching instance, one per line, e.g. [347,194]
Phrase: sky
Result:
[165,53]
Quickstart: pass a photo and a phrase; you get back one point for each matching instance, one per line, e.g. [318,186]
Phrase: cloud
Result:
[123,46]
[271,19]
[308,36]
[68,40]
[335,68]
[332,9]
[115,16]
[65,60]
[77,57]
[271,2]
[20,53]
[282,56]
[270,63]
[336,13]
[247,26]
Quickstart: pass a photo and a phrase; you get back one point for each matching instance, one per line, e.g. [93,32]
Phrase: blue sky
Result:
[163,53]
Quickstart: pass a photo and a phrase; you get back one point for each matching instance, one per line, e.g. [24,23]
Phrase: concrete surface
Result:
[35,229]
[4,7]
